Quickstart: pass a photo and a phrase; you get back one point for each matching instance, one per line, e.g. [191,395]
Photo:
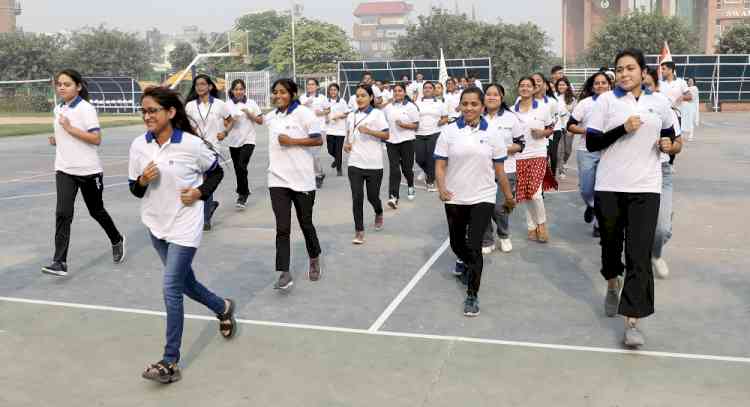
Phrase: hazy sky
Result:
[171,15]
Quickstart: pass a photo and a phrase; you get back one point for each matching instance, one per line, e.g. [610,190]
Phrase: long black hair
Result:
[588,86]
[368,89]
[406,94]
[290,87]
[338,91]
[549,92]
[193,95]
[168,99]
[78,79]
[568,96]
[501,90]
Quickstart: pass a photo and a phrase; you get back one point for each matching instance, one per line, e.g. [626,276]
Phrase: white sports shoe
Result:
[505,245]
[660,267]
[488,249]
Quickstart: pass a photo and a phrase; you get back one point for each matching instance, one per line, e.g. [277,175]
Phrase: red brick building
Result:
[9,10]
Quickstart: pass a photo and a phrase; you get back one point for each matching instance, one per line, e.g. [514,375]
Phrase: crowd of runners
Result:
[462,142]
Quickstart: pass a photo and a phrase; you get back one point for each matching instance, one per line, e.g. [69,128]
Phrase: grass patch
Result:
[9,130]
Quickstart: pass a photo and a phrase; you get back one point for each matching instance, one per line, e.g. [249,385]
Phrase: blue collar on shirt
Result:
[594,97]
[620,92]
[338,99]
[534,105]
[483,125]
[243,100]
[290,108]
[368,110]
[175,139]
[74,103]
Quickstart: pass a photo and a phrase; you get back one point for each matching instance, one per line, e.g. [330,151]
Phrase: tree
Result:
[318,46]
[515,49]
[646,31]
[736,40]
[103,51]
[262,28]
[29,56]
[181,56]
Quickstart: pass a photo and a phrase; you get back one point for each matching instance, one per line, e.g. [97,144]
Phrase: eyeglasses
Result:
[151,111]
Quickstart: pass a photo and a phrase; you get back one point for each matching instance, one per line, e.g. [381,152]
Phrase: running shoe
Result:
[506,246]
[241,202]
[633,337]
[56,269]
[119,250]
[431,187]
[588,214]
[359,238]
[488,249]
[319,181]
[411,194]
[460,269]
[379,222]
[660,267]
[471,306]
[284,282]
[393,203]
[612,300]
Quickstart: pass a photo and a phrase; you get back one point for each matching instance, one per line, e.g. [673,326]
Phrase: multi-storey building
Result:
[379,26]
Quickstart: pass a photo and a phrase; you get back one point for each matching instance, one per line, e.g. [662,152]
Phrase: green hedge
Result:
[26,104]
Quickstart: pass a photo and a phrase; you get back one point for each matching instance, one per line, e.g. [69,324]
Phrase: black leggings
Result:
[281,202]
[401,159]
[240,160]
[554,143]
[91,187]
[335,145]
[424,148]
[466,226]
[629,219]
[358,178]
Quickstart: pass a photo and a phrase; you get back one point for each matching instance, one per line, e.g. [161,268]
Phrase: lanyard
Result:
[357,123]
[208,114]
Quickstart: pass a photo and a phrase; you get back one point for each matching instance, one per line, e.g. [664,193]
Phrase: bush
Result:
[26,104]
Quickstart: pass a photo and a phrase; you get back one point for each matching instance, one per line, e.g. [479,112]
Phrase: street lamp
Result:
[296,11]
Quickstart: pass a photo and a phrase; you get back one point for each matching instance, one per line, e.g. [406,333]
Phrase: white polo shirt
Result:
[367,151]
[182,161]
[538,117]
[336,127]
[415,88]
[407,113]
[317,103]
[452,101]
[471,153]
[243,131]
[430,112]
[582,114]
[508,127]
[387,95]
[291,166]
[673,90]
[72,155]
[632,163]
[208,118]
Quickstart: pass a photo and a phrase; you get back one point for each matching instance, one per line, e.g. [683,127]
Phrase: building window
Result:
[718,4]
[368,20]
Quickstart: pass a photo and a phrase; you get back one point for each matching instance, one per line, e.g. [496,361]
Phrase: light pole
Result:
[296,8]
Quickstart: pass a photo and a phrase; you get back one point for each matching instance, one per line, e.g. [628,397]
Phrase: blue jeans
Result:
[587,164]
[179,279]
[664,224]
[207,206]
[502,219]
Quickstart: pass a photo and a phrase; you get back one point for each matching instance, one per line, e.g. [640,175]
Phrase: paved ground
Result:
[384,326]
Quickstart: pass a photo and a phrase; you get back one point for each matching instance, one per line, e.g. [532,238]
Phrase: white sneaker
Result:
[488,249]
[421,177]
[411,194]
[562,175]
[660,267]
[393,203]
[505,245]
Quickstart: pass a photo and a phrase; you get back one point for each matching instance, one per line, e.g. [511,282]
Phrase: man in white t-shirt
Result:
[414,90]
[674,88]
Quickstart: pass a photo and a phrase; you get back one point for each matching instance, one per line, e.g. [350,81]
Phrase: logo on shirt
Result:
[171,162]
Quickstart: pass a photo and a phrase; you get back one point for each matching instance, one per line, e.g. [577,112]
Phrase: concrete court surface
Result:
[384,325]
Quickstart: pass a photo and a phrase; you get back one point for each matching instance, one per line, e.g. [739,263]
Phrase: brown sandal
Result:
[227,323]
[162,372]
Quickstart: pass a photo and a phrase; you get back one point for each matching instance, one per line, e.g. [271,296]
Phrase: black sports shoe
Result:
[471,306]
[333,164]
[241,202]
[596,233]
[119,250]
[319,181]
[56,269]
[460,269]
[206,226]
[588,215]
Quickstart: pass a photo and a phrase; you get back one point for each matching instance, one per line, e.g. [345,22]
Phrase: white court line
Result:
[322,328]
[400,297]
[9,198]
[9,181]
